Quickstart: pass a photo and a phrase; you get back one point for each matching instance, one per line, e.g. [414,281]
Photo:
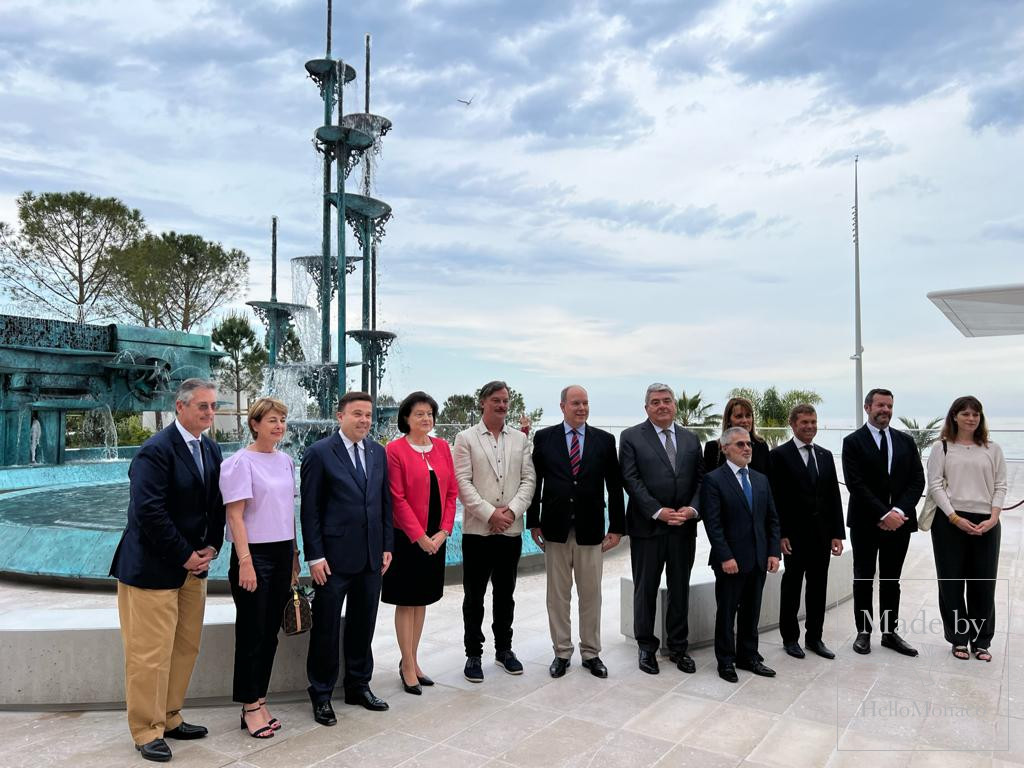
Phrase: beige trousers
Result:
[586,563]
[160,630]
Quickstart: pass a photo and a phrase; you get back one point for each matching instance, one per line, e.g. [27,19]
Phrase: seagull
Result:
[467,103]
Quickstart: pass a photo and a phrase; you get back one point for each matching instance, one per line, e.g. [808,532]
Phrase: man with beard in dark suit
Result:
[806,492]
[662,468]
[884,476]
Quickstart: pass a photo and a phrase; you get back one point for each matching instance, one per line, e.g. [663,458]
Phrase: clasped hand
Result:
[199,561]
[676,516]
[501,519]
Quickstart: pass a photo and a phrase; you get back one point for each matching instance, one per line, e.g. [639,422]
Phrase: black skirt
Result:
[416,578]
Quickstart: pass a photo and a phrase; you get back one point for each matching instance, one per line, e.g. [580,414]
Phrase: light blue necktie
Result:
[747,490]
[197,456]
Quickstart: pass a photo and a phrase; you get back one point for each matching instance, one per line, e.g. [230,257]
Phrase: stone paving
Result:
[877,710]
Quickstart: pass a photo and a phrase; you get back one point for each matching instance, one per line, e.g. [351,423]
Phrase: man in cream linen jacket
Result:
[496,482]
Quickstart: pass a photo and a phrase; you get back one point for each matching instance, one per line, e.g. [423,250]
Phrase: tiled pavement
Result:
[877,710]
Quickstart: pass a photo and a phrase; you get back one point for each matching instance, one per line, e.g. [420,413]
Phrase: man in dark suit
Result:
[575,463]
[884,476]
[348,536]
[743,528]
[662,468]
[806,491]
[175,528]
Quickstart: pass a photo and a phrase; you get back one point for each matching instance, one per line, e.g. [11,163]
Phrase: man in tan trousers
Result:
[575,464]
[175,527]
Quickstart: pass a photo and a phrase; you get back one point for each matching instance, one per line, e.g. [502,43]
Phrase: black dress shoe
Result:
[728,673]
[683,662]
[366,699]
[186,731]
[818,647]
[794,650]
[758,668]
[863,642]
[596,667]
[156,750]
[648,662]
[896,643]
[558,667]
[323,713]
[424,680]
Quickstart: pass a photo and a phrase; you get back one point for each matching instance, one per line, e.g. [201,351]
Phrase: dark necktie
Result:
[197,457]
[360,473]
[747,490]
[883,446]
[670,447]
[812,468]
[574,452]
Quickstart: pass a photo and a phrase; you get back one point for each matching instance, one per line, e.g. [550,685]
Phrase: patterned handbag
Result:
[298,612]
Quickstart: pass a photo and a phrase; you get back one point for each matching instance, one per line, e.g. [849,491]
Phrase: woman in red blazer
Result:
[423,493]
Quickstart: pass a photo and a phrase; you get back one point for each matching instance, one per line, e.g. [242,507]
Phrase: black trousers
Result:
[810,560]
[650,557]
[738,596]
[360,593]
[493,559]
[965,563]
[889,549]
[258,616]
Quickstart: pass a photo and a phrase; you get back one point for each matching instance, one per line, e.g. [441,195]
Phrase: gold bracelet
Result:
[953,518]
[244,557]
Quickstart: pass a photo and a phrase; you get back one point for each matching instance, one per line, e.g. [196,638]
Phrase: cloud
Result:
[912,184]
[692,220]
[999,105]
[872,145]
[1011,229]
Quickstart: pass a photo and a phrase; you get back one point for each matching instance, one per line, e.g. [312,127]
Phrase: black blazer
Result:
[652,484]
[806,511]
[341,521]
[714,456]
[172,511]
[750,536]
[560,497]
[874,490]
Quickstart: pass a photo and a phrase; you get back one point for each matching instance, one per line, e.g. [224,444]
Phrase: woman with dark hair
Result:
[258,485]
[739,412]
[967,481]
[423,493]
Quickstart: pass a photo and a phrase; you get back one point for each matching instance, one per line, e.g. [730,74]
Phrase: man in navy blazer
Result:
[348,536]
[743,528]
[175,528]
[885,478]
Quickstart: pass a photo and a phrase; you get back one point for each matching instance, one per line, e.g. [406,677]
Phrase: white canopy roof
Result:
[994,311]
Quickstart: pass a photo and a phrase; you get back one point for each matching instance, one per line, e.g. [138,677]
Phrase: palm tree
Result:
[771,410]
[923,436]
[696,415]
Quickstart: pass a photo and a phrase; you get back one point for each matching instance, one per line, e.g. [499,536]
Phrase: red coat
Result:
[410,485]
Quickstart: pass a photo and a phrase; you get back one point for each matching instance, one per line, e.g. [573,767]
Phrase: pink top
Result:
[266,481]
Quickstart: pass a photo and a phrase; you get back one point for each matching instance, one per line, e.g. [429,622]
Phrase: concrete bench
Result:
[703,606]
[73,658]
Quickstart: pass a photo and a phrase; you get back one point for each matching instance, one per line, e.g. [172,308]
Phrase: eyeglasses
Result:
[206,407]
[741,443]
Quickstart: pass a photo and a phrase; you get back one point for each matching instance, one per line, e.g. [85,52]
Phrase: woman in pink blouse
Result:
[423,491]
[258,485]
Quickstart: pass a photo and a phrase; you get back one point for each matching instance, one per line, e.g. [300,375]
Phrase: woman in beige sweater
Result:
[967,480]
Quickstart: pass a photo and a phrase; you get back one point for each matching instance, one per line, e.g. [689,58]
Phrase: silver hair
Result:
[658,387]
[188,388]
[565,392]
[730,433]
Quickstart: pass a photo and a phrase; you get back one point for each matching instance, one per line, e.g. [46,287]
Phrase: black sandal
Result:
[982,654]
[272,722]
[962,652]
[265,732]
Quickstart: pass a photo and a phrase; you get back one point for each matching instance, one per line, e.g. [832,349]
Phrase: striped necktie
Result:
[574,452]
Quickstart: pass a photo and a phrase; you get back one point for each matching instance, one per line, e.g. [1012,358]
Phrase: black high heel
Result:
[266,732]
[415,690]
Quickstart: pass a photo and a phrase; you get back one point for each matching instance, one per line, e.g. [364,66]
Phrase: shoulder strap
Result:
[945,448]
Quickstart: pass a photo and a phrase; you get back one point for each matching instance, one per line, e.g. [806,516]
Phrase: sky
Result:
[654,190]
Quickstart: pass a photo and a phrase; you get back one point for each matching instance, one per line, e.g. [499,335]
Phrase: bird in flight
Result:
[467,103]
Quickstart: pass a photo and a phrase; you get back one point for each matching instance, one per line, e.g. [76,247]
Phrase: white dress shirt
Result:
[806,455]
